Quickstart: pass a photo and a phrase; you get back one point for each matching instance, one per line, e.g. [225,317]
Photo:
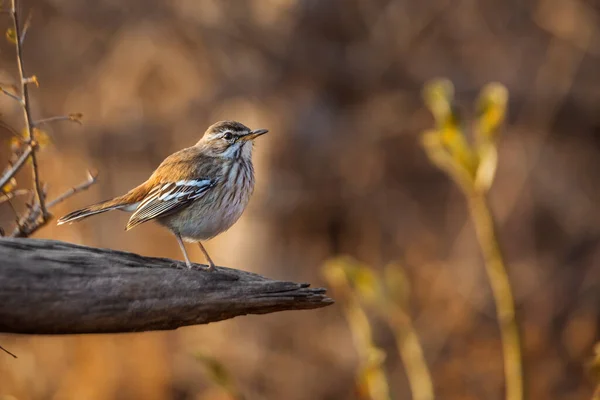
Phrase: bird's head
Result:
[230,139]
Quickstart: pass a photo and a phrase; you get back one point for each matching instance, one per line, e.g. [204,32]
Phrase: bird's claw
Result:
[193,267]
[200,267]
[179,265]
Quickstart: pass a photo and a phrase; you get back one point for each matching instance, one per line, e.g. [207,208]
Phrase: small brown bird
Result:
[197,192]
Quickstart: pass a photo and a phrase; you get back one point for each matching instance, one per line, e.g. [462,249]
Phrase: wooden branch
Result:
[51,287]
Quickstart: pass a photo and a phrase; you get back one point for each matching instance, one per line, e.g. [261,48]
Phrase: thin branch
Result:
[71,117]
[7,352]
[12,171]
[14,210]
[25,28]
[92,178]
[31,222]
[11,130]
[12,96]
[11,195]
[27,110]
[32,79]
[38,214]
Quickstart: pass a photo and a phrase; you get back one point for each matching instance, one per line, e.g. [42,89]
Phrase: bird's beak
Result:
[254,134]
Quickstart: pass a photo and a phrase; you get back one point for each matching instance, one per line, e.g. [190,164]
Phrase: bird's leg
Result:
[182,246]
[211,264]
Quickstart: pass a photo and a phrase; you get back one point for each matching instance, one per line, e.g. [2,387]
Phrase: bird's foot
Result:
[180,265]
[195,267]
[205,268]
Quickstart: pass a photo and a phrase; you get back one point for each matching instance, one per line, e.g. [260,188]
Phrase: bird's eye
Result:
[227,136]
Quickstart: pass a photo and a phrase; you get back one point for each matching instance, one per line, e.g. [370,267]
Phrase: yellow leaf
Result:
[438,95]
[32,79]
[10,186]
[366,284]
[486,170]
[436,151]
[456,142]
[491,110]
[594,364]
[42,138]
[217,373]
[441,157]
[76,117]
[334,272]
[371,380]
[16,144]
[11,35]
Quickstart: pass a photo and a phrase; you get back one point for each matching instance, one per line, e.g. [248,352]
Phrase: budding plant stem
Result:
[499,281]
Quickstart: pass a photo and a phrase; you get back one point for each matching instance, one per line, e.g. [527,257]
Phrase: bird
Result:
[197,193]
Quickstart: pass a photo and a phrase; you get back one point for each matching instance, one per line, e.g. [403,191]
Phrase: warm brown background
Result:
[337,82]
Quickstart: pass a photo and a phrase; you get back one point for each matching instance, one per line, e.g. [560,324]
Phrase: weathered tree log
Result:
[51,287]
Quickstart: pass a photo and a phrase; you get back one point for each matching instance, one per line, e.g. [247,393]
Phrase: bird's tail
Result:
[98,208]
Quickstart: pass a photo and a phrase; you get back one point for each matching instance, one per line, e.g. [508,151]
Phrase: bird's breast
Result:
[220,207]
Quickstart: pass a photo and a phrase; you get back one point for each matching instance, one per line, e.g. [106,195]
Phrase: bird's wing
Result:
[166,198]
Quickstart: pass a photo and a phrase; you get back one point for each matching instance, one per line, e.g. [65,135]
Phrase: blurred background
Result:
[341,172]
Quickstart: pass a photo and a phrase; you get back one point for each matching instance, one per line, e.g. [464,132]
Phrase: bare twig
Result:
[31,79]
[31,222]
[7,352]
[92,178]
[14,210]
[12,96]
[38,214]
[12,171]
[71,117]
[25,28]
[10,129]
[11,195]
[23,80]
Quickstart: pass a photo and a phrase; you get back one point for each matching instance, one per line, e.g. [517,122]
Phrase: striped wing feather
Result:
[167,198]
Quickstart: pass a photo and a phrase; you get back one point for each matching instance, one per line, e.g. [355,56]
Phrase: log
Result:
[52,287]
